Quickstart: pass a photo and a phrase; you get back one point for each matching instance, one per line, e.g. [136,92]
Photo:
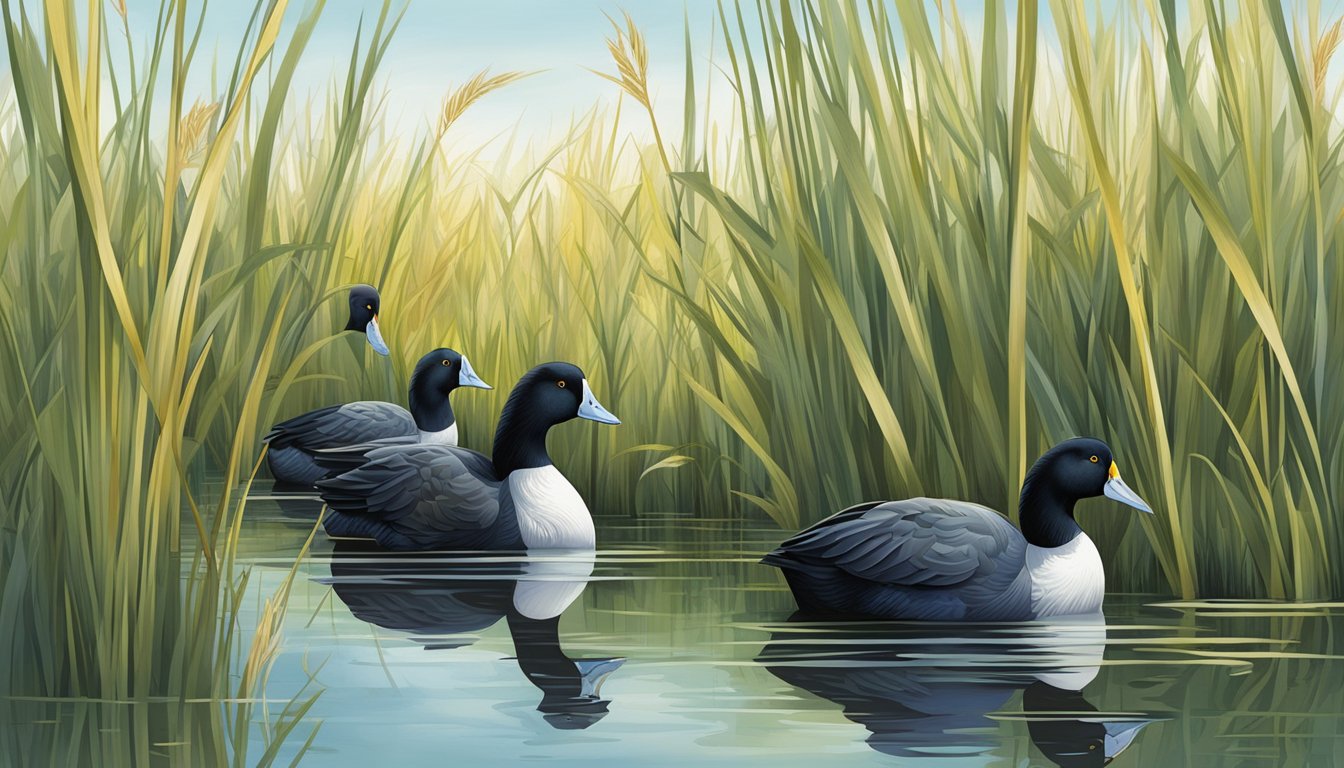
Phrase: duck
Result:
[435,496]
[928,559]
[292,444]
[364,305]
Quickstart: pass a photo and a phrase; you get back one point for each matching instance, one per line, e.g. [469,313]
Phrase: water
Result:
[672,646]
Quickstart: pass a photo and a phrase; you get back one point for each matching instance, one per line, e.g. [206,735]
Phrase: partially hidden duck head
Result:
[364,306]
[1076,469]
[550,394]
[435,377]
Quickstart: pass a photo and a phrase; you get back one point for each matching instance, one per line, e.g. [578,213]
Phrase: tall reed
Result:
[1172,296]
[889,270]
[909,257]
[123,289]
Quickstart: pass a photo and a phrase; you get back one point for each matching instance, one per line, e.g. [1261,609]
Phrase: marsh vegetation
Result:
[914,252]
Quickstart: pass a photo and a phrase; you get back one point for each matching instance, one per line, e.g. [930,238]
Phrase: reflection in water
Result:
[1061,728]
[928,690]
[295,505]
[446,601]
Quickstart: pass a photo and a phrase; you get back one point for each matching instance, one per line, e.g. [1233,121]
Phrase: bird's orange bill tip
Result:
[1114,471]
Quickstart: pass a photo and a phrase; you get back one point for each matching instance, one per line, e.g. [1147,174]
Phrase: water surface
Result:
[673,647]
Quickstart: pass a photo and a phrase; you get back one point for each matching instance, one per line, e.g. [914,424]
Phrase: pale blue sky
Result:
[443,42]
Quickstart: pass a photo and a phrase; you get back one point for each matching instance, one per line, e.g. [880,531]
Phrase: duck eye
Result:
[368,306]
[447,363]
[1094,459]
[560,383]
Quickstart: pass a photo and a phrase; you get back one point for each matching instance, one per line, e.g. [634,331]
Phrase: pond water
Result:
[672,646]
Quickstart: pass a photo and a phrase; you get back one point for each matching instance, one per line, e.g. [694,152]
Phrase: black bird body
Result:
[294,444]
[943,560]
[922,559]
[418,497]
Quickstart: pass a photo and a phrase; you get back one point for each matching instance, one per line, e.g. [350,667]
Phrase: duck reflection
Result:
[926,691]
[1074,739]
[445,602]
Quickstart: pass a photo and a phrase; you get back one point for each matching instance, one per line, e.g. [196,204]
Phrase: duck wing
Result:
[344,458]
[930,543]
[419,496]
[338,425]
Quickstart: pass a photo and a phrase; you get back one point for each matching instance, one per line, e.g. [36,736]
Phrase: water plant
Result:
[917,248]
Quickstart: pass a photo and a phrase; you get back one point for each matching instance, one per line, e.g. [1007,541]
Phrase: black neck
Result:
[1046,517]
[520,439]
[430,408]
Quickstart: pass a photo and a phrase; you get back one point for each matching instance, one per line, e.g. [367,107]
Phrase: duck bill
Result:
[1115,488]
[468,377]
[375,337]
[592,410]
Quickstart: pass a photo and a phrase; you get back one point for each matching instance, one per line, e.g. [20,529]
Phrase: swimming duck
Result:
[364,306]
[434,496]
[944,560]
[293,443]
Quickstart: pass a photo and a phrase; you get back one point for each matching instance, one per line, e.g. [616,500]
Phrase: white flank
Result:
[1066,580]
[551,514]
[442,437]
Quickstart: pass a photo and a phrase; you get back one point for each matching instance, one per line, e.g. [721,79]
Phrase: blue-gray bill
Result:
[1116,489]
[592,410]
[375,337]
[468,377]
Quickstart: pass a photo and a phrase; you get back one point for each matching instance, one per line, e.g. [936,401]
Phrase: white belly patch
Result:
[551,513]
[1066,580]
[442,437]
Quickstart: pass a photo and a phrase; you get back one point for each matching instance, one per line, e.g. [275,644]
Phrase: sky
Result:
[441,43]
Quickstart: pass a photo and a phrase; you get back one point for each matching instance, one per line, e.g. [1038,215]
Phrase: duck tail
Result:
[344,494]
[779,558]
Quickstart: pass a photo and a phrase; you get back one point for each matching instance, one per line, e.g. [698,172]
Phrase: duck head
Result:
[1076,469]
[364,306]
[433,380]
[550,394]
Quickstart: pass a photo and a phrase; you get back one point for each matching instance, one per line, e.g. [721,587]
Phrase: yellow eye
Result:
[560,384]
[447,363]
[368,307]
[1094,459]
